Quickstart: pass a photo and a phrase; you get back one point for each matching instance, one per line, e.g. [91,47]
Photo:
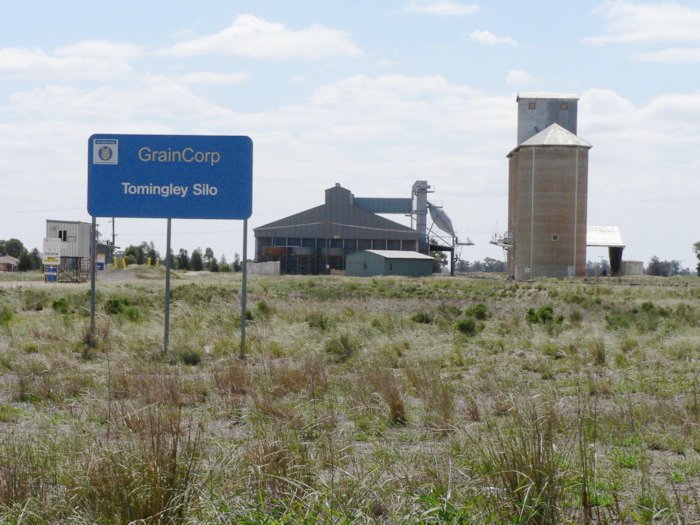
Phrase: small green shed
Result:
[388,262]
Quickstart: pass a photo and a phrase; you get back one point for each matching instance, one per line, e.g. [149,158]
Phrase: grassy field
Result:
[384,400]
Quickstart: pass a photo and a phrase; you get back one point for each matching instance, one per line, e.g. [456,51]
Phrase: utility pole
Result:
[113,239]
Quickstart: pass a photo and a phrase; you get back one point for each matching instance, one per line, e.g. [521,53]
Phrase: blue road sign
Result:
[170,176]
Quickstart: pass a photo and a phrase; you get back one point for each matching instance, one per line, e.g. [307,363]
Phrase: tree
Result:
[462,266]
[223,265]
[494,265]
[208,258]
[213,265]
[152,253]
[440,261]
[25,262]
[236,266]
[595,269]
[183,260]
[196,262]
[137,252]
[36,259]
[663,268]
[12,247]
[696,247]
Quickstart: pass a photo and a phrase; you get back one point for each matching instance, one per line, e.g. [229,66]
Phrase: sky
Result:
[371,95]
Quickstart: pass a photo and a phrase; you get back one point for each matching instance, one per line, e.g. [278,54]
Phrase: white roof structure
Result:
[399,254]
[604,236]
[555,135]
[8,259]
[544,94]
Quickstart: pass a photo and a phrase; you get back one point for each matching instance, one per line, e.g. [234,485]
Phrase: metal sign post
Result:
[168,264]
[170,177]
[93,267]
[244,291]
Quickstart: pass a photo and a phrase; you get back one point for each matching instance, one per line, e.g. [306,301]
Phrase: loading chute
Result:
[441,219]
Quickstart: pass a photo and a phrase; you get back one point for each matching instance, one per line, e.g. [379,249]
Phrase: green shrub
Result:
[467,326]
[122,306]
[35,299]
[422,317]
[6,314]
[60,306]
[448,311]
[341,347]
[114,305]
[544,315]
[479,311]
[263,308]
[190,356]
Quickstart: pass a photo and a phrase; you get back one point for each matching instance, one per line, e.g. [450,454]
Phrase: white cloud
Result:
[101,49]
[670,56]
[152,100]
[635,23]
[489,39]
[85,60]
[205,77]
[518,76]
[441,8]
[256,38]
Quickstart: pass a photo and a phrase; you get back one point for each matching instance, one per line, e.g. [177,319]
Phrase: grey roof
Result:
[544,95]
[604,236]
[339,217]
[398,254]
[555,135]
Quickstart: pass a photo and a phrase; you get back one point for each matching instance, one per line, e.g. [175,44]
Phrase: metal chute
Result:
[441,219]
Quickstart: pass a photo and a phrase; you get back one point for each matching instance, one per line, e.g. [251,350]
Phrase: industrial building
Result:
[547,190]
[609,237]
[8,263]
[367,263]
[67,250]
[319,240]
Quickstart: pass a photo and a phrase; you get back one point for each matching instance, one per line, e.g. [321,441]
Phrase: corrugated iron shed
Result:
[604,236]
[367,263]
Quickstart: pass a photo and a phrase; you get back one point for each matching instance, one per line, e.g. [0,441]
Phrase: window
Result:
[564,106]
[63,235]
[531,105]
[555,237]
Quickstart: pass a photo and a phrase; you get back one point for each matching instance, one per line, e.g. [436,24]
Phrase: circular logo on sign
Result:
[105,153]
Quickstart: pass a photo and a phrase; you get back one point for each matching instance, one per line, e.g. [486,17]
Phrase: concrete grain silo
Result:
[547,204]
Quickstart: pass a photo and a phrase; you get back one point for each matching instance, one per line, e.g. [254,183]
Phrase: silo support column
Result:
[615,254]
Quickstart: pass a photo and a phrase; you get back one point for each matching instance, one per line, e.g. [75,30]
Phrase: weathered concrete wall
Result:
[548,198]
[632,268]
[264,268]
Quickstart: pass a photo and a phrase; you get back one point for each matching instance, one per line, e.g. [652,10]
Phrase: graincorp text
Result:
[184,155]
